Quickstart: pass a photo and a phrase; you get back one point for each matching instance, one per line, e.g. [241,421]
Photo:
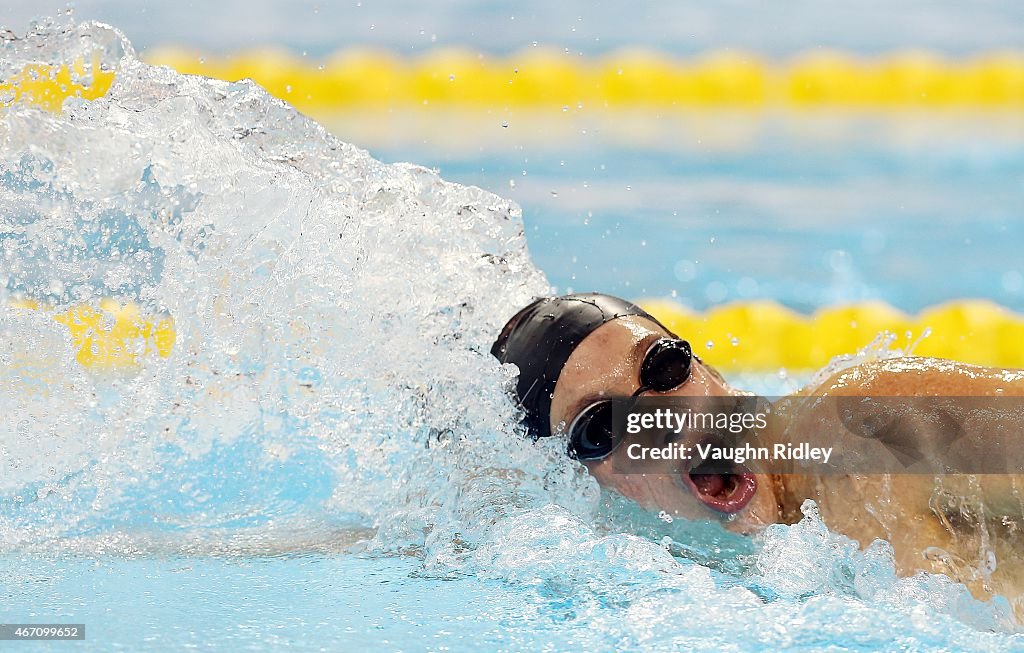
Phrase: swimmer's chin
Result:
[752,520]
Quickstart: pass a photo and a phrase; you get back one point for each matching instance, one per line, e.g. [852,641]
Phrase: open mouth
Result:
[727,492]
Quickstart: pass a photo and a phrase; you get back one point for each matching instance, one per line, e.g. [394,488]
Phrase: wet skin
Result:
[942,524]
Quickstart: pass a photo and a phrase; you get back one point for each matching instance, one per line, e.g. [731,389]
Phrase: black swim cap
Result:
[540,338]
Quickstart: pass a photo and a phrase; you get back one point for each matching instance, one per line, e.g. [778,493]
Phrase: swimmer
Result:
[576,352]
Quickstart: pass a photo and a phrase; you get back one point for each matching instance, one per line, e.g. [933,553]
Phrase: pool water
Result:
[328,458]
[346,602]
[808,210]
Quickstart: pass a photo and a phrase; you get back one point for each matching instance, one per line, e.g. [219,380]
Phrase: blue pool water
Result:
[328,459]
[806,210]
[677,26]
[347,602]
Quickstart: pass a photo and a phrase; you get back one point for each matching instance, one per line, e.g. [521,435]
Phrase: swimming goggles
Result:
[666,366]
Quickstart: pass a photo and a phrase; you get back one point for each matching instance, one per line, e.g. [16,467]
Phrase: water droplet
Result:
[747,287]
[716,292]
[685,271]
[710,344]
[1013,281]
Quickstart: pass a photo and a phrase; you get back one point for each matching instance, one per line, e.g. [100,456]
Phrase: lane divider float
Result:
[547,78]
[551,79]
[764,335]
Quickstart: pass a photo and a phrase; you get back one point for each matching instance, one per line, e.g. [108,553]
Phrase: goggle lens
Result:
[592,434]
[666,366]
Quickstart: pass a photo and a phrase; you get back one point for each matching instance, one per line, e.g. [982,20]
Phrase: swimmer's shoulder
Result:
[918,376]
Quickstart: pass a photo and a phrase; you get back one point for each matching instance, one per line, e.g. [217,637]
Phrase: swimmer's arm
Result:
[921,377]
[931,377]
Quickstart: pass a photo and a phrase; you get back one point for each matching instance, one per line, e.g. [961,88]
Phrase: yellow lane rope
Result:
[750,336]
[548,78]
[763,335]
[541,78]
[48,86]
[112,336]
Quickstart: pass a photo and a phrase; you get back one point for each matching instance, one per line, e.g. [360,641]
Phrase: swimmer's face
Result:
[607,364]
